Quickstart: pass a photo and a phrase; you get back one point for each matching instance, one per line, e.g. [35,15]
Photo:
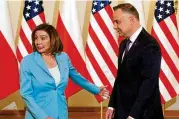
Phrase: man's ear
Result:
[132,19]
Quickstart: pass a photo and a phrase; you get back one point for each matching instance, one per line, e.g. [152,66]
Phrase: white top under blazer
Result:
[55,72]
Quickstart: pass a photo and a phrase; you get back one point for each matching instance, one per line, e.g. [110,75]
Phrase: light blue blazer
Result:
[39,91]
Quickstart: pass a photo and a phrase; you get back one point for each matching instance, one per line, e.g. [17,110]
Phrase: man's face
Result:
[122,22]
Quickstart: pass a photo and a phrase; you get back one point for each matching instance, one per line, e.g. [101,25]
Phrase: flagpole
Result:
[101,110]
[163,108]
[176,6]
[19,23]
[55,13]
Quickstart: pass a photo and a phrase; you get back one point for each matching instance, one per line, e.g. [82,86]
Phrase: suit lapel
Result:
[59,59]
[136,43]
[121,50]
[60,63]
[133,47]
[40,62]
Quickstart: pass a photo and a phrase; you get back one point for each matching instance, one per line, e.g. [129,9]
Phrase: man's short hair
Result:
[127,7]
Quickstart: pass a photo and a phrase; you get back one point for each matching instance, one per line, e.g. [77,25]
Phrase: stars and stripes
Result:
[163,10]
[166,32]
[33,15]
[102,45]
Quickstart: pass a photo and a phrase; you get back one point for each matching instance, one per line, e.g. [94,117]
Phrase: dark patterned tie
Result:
[126,48]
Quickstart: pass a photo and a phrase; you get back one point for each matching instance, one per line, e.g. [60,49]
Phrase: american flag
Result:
[102,45]
[33,15]
[165,31]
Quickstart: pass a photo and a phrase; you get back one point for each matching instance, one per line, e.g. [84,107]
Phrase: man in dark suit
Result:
[135,93]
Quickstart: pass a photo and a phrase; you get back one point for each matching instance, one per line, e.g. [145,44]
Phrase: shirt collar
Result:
[135,35]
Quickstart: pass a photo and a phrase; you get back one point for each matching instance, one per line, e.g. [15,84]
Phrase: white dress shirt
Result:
[133,38]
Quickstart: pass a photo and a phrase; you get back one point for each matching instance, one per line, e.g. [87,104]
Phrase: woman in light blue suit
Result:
[44,76]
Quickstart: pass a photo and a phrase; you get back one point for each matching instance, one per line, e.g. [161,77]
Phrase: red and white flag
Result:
[33,15]
[102,45]
[166,32]
[9,75]
[69,30]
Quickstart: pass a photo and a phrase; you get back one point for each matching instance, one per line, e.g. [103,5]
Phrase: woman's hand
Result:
[48,118]
[104,93]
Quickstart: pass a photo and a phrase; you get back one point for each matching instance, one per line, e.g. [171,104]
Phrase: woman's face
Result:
[42,41]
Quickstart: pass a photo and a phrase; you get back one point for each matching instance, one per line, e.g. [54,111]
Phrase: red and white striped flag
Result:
[102,45]
[165,31]
[177,13]
[69,31]
[9,75]
[33,15]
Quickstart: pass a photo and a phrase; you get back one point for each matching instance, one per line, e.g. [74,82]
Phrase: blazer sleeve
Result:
[112,101]
[26,91]
[80,80]
[150,72]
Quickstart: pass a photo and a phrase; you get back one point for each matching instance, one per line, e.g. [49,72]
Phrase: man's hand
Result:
[129,117]
[110,113]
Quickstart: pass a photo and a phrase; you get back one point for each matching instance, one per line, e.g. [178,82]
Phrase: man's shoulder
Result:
[151,41]
[148,39]
[151,44]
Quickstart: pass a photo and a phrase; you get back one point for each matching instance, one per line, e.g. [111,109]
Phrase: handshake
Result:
[104,93]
